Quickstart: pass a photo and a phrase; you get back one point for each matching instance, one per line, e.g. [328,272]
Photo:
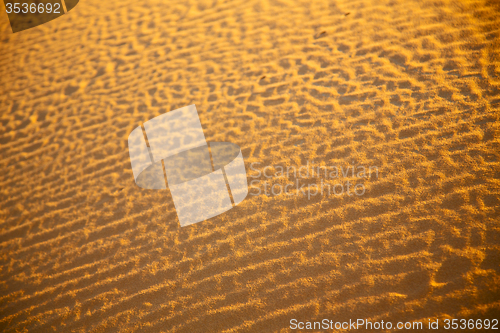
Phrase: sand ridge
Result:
[409,86]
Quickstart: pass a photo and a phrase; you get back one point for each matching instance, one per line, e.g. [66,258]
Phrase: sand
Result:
[411,87]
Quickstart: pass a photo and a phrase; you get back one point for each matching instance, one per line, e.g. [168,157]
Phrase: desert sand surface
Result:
[411,87]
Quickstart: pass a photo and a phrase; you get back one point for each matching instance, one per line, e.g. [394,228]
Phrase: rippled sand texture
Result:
[412,87]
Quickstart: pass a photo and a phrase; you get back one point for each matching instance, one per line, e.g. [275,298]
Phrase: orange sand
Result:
[412,87]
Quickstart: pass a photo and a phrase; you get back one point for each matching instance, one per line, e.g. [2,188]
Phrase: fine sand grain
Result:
[411,87]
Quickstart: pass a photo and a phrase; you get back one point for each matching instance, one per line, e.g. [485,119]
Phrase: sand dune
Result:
[411,87]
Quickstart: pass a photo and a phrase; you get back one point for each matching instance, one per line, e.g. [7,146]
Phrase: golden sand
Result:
[411,87]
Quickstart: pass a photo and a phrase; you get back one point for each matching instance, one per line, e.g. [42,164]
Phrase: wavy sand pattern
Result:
[412,87]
